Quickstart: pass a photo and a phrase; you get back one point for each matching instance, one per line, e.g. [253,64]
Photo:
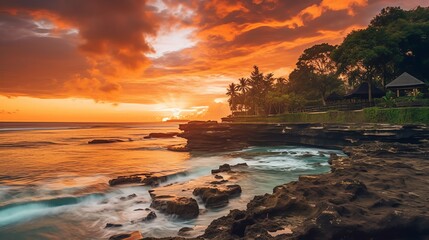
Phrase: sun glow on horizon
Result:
[74,109]
[220,100]
[184,113]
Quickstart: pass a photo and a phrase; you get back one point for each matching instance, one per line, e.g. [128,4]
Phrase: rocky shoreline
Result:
[214,136]
[378,191]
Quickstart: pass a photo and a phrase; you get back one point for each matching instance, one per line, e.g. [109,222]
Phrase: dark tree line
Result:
[395,41]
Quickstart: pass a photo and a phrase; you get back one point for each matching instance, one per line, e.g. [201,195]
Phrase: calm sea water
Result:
[53,185]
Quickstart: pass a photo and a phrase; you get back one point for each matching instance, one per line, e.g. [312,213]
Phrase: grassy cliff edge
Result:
[410,115]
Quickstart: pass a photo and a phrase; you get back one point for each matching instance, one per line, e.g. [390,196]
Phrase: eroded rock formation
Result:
[213,136]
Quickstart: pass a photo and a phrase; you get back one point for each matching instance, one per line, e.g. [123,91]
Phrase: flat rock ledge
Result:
[161,135]
[104,141]
[214,136]
[378,192]
[146,179]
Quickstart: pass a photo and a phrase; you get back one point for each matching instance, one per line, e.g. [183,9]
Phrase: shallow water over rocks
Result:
[61,189]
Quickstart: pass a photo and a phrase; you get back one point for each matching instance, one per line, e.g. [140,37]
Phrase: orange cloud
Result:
[101,49]
[115,29]
[110,35]
[348,5]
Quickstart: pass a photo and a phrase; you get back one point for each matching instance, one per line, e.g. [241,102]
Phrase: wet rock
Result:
[162,135]
[150,216]
[112,225]
[183,207]
[221,228]
[125,180]
[212,197]
[219,182]
[129,197]
[333,156]
[215,197]
[222,168]
[184,231]
[218,176]
[238,165]
[127,236]
[154,180]
[102,141]
[121,236]
[144,179]
[233,190]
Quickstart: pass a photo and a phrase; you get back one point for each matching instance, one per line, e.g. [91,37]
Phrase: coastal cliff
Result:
[213,136]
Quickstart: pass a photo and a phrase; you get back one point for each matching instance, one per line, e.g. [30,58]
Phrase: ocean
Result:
[54,185]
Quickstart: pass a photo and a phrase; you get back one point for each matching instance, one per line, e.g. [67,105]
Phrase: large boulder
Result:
[150,216]
[183,207]
[228,168]
[184,231]
[215,197]
[222,168]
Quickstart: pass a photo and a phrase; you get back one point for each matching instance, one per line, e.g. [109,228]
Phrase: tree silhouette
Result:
[244,87]
[231,91]
[396,41]
[316,73]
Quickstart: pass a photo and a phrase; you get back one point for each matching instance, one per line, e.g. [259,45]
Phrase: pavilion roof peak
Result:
[405,80]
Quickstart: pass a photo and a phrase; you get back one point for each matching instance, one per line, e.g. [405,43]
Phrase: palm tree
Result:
[267,87]
[231,91]
[268,82]
[256,83]
[244,87]
[281,85]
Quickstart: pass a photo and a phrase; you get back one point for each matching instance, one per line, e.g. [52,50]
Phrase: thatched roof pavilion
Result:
[405,82]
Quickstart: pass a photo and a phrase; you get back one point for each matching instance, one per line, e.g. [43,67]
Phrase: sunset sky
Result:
[137,60]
